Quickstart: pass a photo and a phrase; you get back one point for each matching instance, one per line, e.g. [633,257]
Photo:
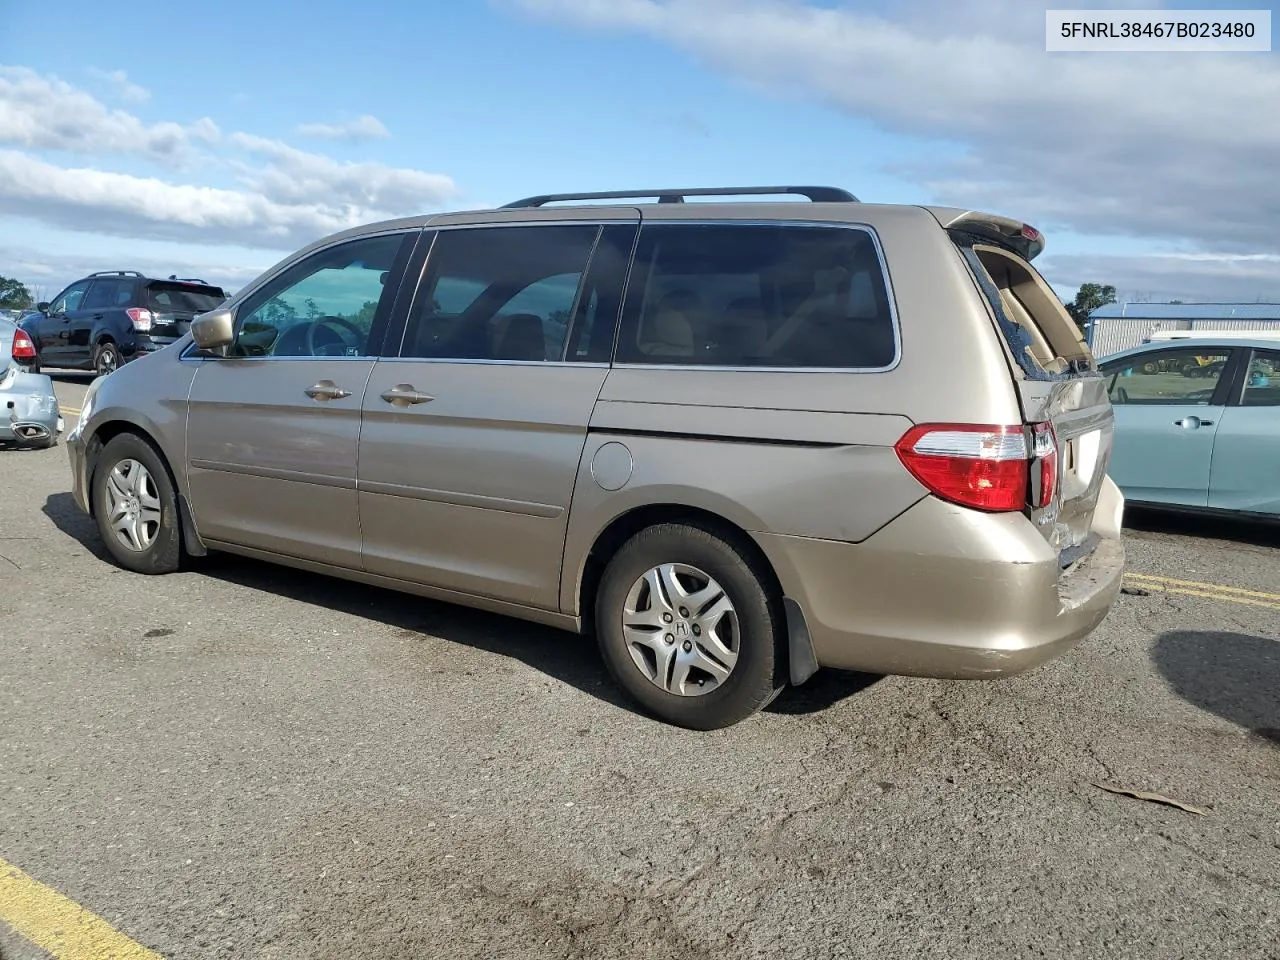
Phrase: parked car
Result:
[30,415]
[109,318]
[1197,435]
[738,441]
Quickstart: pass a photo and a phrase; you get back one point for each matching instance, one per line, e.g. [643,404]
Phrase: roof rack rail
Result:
[816,194]
[174,276]
[116,273]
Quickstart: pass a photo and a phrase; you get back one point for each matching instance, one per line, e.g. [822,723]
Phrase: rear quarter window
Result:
[759,296]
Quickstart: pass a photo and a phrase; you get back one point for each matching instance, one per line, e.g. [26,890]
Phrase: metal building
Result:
[1119,326]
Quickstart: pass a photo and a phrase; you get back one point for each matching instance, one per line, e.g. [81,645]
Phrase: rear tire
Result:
[106,358]
[136,507]
[689,627]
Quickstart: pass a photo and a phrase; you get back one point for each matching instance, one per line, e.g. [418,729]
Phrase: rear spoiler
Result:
[1014,235]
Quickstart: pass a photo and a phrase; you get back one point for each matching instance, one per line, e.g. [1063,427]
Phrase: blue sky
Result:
[1153,172]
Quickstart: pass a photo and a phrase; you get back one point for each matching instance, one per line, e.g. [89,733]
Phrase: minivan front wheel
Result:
[687,627]
[136,507]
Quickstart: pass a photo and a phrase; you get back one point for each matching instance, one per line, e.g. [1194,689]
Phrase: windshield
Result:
[183,298]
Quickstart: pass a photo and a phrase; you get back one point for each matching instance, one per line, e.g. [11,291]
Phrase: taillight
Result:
[984,467]
[141,318]
[1044,452]
[23,347]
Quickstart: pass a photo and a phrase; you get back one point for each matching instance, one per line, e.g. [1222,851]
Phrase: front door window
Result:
[69,299]
[1184,376]
[324,306]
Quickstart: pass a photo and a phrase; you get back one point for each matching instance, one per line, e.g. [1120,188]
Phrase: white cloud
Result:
[1173,276]
[125,205]
[275,196]
[1173,146]
[365,127]
[120,83]
[49,114]
[294,176]
[270,216]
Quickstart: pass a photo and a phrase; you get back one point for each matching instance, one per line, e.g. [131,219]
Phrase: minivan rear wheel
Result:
[687,626]
[136,507]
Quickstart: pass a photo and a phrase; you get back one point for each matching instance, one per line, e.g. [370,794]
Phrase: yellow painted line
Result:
[1228,598]
[69,411]
[60,926]
[1209,587]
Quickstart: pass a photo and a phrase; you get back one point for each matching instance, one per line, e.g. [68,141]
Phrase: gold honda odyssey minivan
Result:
[737,439]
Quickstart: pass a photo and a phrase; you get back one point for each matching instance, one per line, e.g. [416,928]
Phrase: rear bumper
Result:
[949,593]
[29,410]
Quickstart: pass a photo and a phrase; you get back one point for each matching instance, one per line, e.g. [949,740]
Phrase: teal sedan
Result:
[1198,423]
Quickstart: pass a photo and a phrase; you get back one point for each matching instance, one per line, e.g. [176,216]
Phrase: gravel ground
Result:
[246,761]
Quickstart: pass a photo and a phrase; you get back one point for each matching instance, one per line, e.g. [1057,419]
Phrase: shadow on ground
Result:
[61,508]
[1249,531]
[565,656]
[1233,675]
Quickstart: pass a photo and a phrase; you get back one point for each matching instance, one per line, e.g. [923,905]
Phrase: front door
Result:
[272,428]
[474,426]
[55,325]
[1168,406]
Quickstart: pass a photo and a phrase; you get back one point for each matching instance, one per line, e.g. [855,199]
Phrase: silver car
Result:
[736,440]
[29,415]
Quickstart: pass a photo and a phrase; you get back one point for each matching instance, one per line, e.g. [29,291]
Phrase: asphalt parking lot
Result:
[246,761]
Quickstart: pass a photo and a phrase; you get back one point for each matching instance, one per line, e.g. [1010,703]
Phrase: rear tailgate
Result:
[174,303]
[1057,376]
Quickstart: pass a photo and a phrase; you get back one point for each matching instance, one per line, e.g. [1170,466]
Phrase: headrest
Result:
[520,337]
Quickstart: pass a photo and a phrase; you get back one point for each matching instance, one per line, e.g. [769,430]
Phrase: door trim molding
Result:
[273,473]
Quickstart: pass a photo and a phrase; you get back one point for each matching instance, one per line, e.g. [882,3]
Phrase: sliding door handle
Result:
[405,394]
[326,390]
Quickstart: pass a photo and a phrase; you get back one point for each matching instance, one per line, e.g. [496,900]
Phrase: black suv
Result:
[111,317]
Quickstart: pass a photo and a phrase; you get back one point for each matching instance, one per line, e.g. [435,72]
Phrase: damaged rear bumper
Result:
[29,410]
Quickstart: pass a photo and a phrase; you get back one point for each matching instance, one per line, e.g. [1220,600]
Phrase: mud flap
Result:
[802,662]
[191,541]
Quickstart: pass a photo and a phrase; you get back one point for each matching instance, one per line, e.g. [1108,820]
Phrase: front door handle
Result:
[326,390]
[1191,423]
[404,394]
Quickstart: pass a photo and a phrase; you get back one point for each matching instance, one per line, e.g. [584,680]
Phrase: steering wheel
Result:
[1122,395]
[318,322]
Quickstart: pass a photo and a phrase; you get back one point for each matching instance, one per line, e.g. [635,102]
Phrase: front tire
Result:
[689,627]
[136,507]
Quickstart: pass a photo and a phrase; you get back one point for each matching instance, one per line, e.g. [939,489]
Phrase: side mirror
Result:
[214,331]
[43,306]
